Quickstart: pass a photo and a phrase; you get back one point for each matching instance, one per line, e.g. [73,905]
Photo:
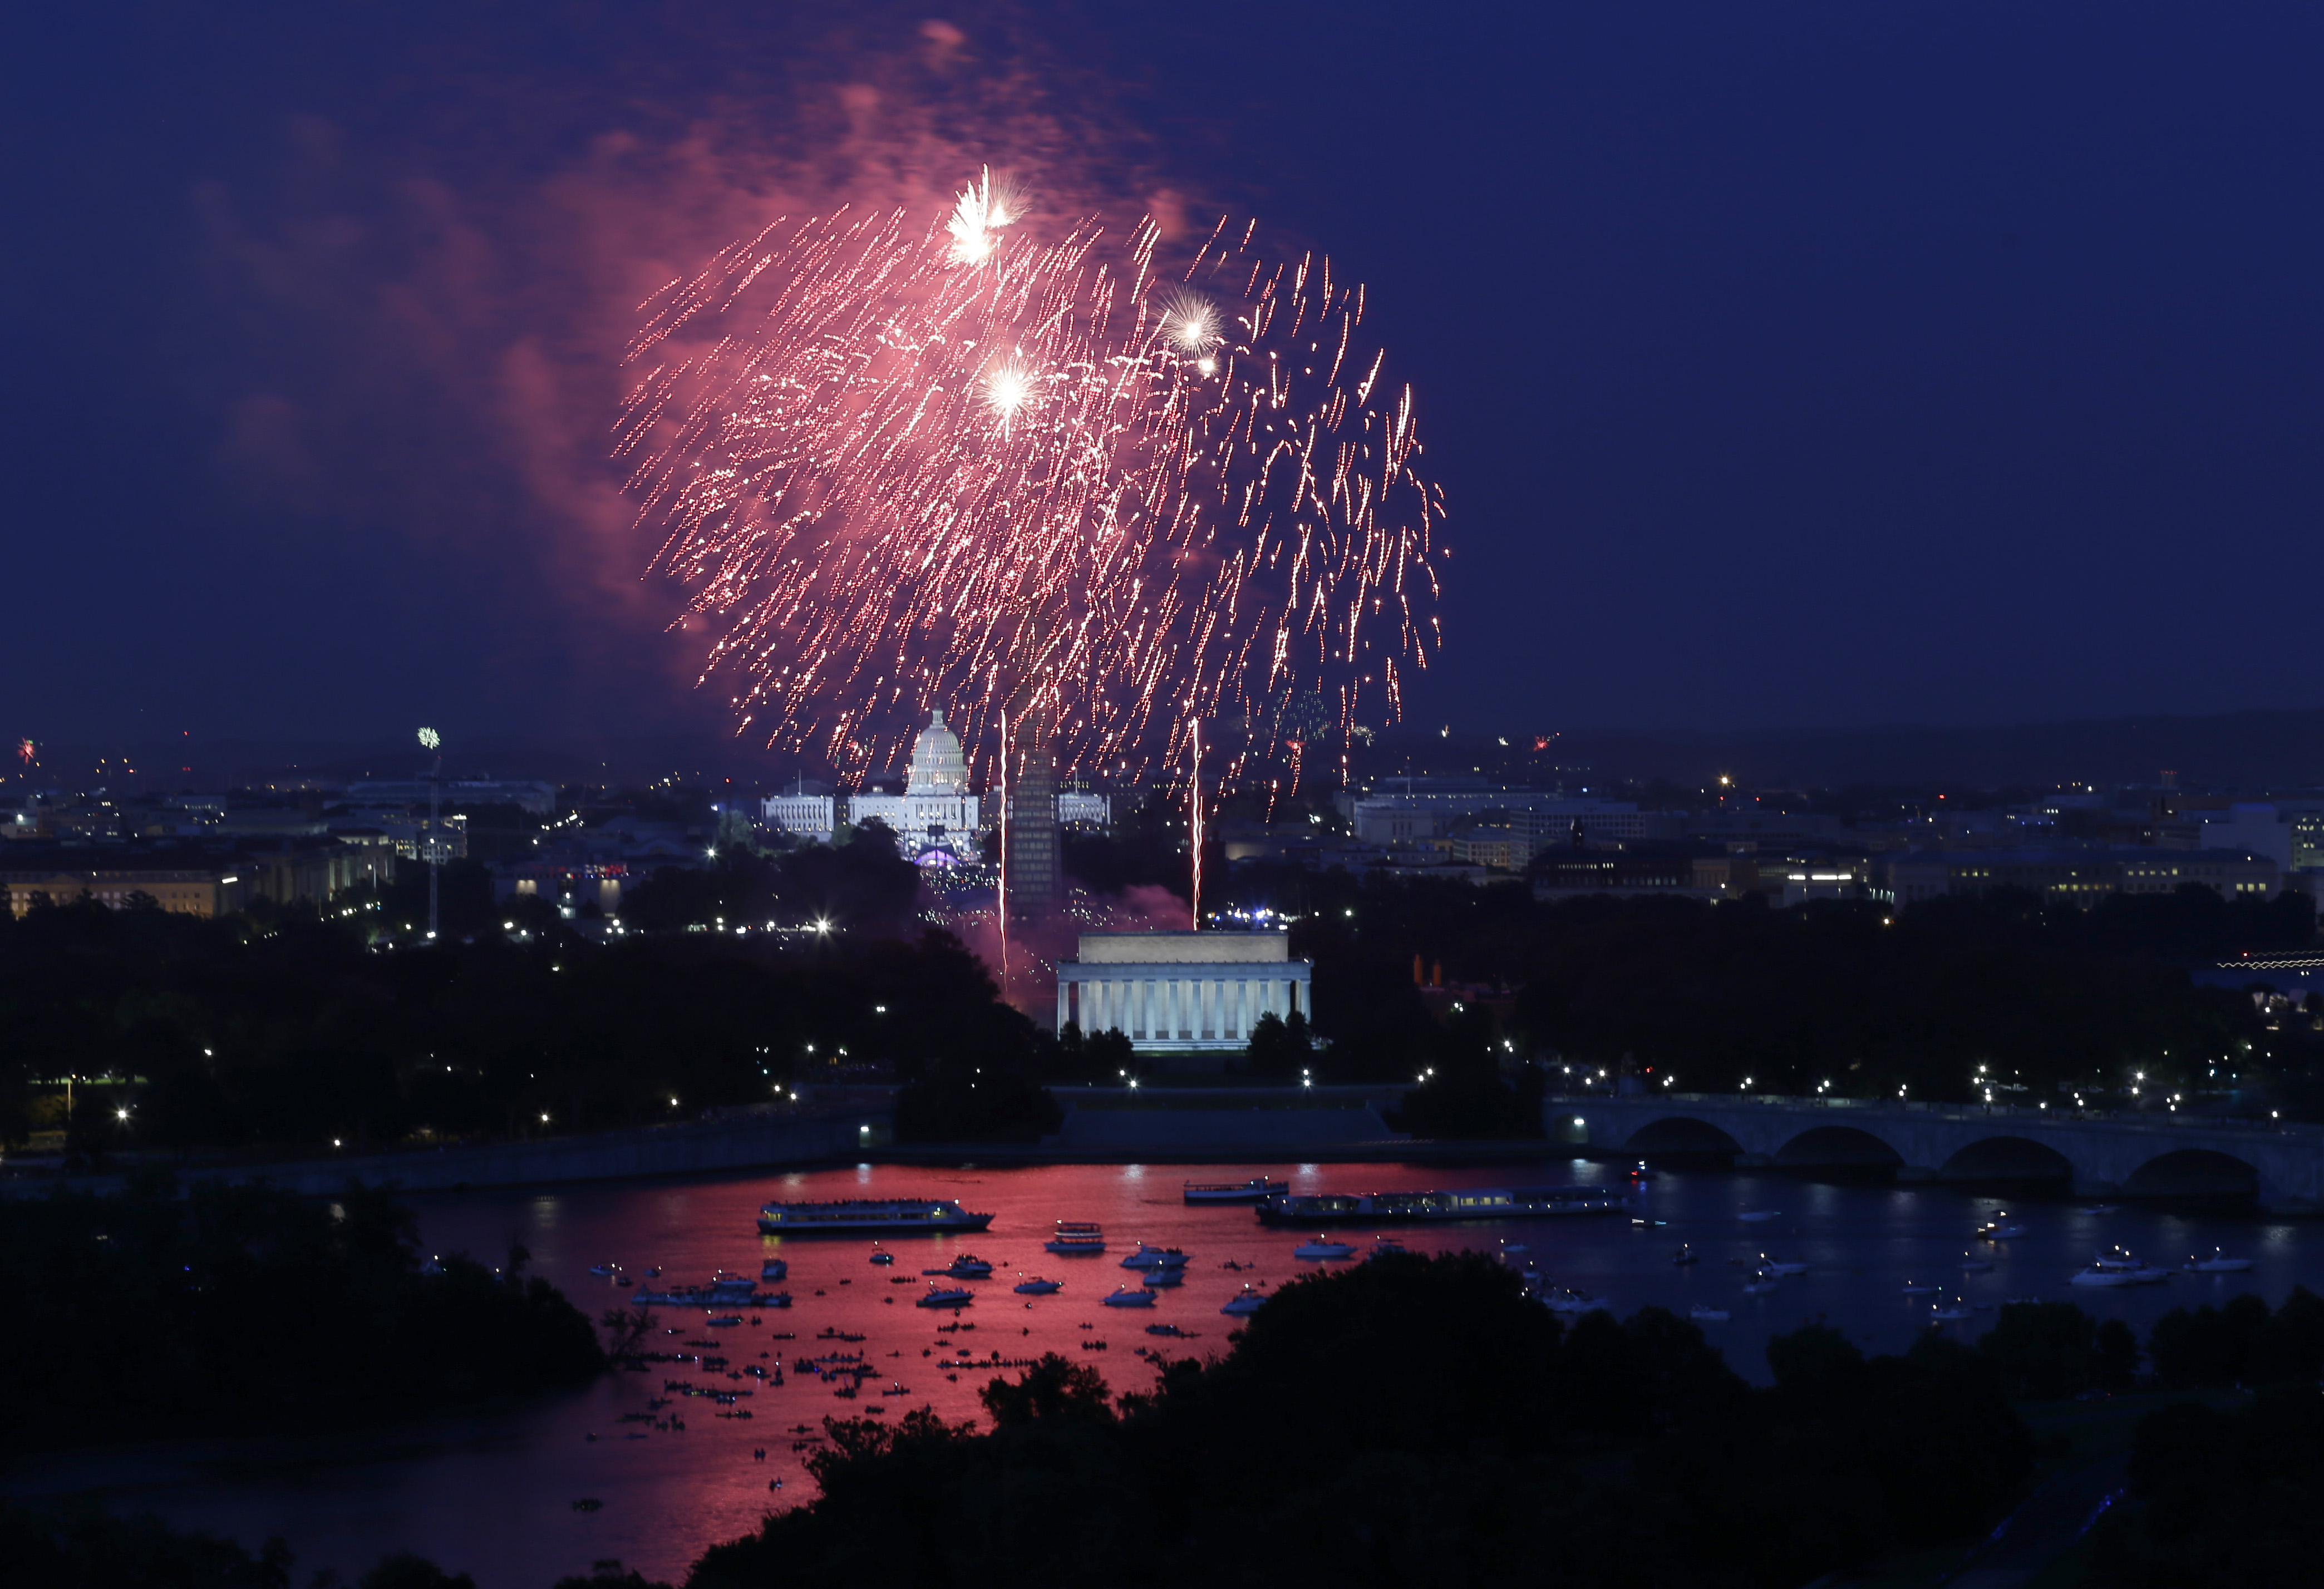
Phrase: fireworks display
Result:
[902,463]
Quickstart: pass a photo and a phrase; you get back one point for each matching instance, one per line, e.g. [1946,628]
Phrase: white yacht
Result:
[1147,1257]
[1130,1297]
[1998,1228]
[1245,1303]
[967,1266]
[1948,1312]
[2218,1262]
[1971,1263]
[1566,1300]
[1038,1287]
[1915,1288]
[2105,1277]
[1317,1248]
[1759,1284]
[947,1297]
[1171,1276]
[1781,1266]
[774,1269]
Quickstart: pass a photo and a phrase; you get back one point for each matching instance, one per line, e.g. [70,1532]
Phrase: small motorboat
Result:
[2116,1258]
[775,1268]
[1759,1215]
[1510,1246]
[1163,1277]
[1641,1172]
[1971,1263]
[1038,1287]
[1950,1312]
[1164,1329]
[2105,1277]
[623,1280]
[1384,1247]
[1566,1300]
[721,1323]
[1704,1313]
[2218,1262]
[1760,1284]
[1999,1230]
[1316,1248]
[1686,1255]
[604,1270]
[1245,1303]
[1130,1297]
[967,1266]
[1147,1257]
[1915,1287]
[880,1254]
[1781,1266]
[946,1297]
[654,1273]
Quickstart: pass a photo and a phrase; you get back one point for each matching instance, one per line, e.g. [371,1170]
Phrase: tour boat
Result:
[1414,1208]
[1318,1249]
[1782,1266]
[1245,1303]
[967,1266]
[775,1268]
[1077,1237]
[946,1297]
[1038,1287]
[1147,1257]
[1248,1192]
[2218,1262]
[1704,1313]
[1130,1297]
[854,1216]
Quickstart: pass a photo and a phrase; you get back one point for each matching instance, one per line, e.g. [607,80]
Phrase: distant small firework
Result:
[881,454]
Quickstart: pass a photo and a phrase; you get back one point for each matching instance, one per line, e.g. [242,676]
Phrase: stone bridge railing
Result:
[2102,1153]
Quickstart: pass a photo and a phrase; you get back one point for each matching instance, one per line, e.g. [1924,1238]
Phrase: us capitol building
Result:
[936,816]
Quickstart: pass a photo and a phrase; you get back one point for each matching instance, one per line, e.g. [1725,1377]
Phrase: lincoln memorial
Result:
[1182,990]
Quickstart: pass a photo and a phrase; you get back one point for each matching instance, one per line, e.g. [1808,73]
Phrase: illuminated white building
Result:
[935,811]
[1182,990]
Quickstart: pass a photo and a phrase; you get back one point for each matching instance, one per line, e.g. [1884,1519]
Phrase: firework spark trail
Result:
[874,448]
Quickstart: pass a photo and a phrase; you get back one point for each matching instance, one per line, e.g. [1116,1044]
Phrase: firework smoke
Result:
[881,452]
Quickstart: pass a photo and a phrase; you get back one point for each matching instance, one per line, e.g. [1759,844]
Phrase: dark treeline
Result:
[1859,994]
[1418,1421]
[248,1309]
[298,1033]
[1506,1446]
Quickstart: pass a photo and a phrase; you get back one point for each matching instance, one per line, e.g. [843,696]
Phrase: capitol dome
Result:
[938,768]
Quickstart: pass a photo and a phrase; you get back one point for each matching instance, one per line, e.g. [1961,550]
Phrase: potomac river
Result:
[493,1495]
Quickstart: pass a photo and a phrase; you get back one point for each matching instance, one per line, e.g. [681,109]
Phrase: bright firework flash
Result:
[881,452]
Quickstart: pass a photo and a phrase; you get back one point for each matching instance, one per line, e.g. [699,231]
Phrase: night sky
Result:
[1811,365]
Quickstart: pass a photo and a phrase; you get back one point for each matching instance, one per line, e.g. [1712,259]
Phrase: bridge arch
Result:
[1837,1147]
[2193,1172]
[1681,1134]
[2008,1158]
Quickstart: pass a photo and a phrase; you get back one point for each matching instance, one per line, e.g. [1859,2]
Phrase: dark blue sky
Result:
[1793,365]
